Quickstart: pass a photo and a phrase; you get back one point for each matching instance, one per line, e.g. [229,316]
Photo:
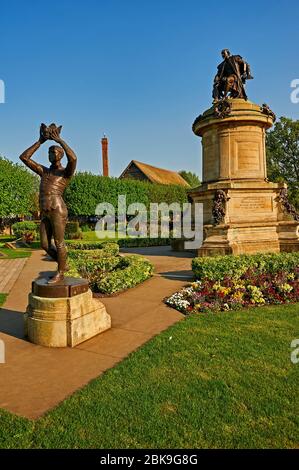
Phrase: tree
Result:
[282,144]
[191,178]
[18,190]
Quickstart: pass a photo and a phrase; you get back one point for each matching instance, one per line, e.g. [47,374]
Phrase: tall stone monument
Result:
[242,211]
[61,311]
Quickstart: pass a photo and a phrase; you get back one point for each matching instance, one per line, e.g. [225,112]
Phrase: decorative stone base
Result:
[65,321]
[242,211]
[254,238]
[254,219]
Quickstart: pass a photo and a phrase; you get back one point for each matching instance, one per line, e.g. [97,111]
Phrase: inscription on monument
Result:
[258,204]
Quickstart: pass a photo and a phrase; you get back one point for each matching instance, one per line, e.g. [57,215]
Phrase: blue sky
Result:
[139,71]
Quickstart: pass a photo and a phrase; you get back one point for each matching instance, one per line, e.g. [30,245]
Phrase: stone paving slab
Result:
[34,379]
[9,272]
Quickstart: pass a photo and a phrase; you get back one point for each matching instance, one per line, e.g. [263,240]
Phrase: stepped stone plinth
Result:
[64,314]
[242,211]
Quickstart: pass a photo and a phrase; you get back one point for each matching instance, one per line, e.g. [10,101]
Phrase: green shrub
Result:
[140,242]
[93,264]
[131,271]
[83,245]
[73,231]
[85,228]
[26,230]
[107,248]
[219,267]
[94,254]
[106,270]
[121,242]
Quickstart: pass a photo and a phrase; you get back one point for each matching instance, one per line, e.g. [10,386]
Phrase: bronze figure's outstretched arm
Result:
[26,156]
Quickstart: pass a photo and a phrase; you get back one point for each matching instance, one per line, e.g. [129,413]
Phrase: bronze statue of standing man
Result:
[53,182]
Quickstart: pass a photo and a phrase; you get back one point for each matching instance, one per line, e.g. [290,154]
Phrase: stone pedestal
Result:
[64,314]
[242,211]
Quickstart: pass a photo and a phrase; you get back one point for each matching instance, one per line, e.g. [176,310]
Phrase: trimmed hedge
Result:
[121,242]
[92,269]
[110,248]
[107,249]
[86,191]
[132,270]
[107,271]
[139,242]
[219,267]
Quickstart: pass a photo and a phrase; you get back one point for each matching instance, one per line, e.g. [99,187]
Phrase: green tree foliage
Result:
[283,155]
[18,188]
[191,178]
[87,190]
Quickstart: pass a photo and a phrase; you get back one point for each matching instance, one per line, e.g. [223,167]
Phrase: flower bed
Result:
[107,271]
[250,289]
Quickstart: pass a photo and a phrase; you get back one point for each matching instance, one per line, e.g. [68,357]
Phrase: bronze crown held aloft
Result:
[47,131]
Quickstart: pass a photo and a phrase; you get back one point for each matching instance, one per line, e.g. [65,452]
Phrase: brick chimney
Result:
[105,156]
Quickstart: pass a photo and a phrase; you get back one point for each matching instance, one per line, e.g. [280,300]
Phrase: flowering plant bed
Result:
[250,289]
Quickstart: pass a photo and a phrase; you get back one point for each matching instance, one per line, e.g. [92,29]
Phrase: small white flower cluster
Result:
[177,300]
[188,291]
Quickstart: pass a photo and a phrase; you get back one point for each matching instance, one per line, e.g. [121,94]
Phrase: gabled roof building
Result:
[144,172]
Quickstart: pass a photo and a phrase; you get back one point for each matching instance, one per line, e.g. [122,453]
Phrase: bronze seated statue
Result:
[231,76]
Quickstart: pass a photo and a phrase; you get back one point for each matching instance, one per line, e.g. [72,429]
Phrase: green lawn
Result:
[6,238]
[215,380]
[12,254]
[87,236]
[2,298]
[91,236]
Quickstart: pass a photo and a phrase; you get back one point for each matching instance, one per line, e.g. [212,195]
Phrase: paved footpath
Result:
[9,272]
[34,379]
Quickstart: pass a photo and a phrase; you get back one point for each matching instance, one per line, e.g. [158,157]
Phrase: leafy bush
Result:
[121,242]
[106,252]
[85,228]
[132,270]
[106,248]
[73,231]
[219,267]
[26,230]
[106,270]
[139,242]
[92,268]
